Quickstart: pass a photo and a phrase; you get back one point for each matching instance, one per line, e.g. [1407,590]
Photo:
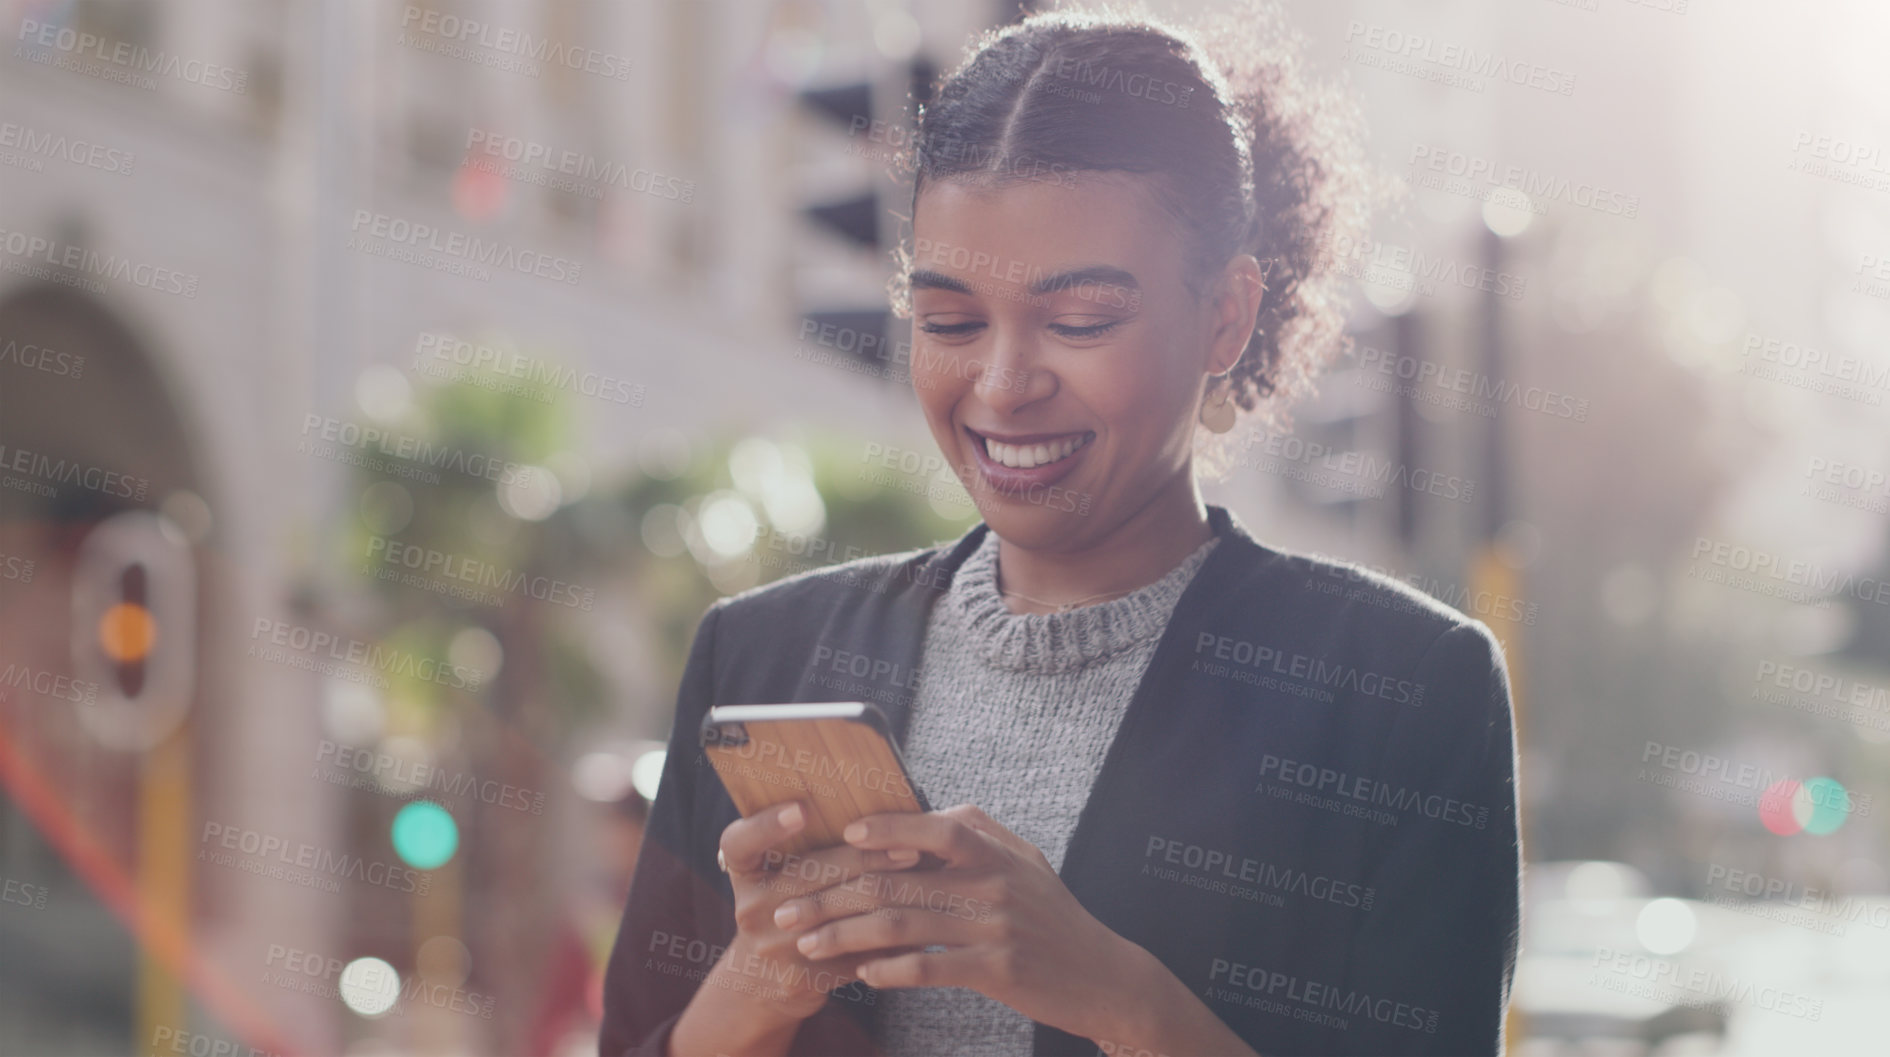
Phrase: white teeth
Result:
[1024,457]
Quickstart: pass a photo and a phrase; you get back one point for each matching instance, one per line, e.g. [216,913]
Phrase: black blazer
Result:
[1308,813]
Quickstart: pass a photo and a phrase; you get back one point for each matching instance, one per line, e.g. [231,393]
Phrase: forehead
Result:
[1089,218]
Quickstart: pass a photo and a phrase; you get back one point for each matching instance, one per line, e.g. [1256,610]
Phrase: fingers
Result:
[788,875]
[958,967]
[868,933]
[974,816]
[957,835]
[940,892]
[746,841]
[750,846]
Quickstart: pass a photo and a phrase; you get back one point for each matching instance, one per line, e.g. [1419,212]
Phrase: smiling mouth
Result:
[1038,453]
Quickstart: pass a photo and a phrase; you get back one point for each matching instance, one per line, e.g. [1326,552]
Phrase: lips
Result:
[1018,462]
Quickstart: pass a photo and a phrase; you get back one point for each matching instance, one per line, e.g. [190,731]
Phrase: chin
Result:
[1032,526]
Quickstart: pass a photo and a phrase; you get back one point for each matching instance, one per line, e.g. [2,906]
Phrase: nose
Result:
[1013,378]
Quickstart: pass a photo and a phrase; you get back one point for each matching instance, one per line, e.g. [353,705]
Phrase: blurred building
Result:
[232,232]
[218,217]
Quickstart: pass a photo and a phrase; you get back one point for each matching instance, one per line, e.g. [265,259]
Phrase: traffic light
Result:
[875,117]
[134,628]
[853,217]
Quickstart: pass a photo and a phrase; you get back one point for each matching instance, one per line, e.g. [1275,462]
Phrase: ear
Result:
[1236,309]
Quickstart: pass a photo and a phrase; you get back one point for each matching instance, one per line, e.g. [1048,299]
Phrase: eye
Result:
[951,330]
[1094,330]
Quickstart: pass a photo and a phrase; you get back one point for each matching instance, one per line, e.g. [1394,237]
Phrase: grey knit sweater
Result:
[1014,713]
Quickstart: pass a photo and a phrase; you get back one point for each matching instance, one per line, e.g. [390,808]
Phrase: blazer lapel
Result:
[889,626]
[1234,552]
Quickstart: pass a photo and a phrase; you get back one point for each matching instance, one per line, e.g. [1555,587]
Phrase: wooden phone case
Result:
[843,767]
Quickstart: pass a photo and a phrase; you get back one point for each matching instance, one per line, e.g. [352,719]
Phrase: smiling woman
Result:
[1187,816]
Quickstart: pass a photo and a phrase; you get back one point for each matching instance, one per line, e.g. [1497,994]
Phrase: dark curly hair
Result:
[1246,156]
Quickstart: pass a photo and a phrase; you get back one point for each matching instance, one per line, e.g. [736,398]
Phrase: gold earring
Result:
[1218,411]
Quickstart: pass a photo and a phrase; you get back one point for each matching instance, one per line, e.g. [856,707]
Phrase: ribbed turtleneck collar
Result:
[1059,642]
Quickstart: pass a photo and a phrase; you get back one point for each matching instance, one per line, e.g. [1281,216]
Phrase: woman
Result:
[1207,802]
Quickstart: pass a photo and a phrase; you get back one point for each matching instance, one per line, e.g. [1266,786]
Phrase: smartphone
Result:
[837,757]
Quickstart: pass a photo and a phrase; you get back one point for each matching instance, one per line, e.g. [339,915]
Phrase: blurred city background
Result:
[386,388]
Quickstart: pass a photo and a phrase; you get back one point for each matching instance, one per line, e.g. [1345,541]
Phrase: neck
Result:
[1136,553]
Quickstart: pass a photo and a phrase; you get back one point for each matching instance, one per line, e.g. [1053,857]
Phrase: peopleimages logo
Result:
[13,567]
[428,561]
[49,684]
[471,32]
[80,152]
[31,250]
[1768,573]
[1789,354]
[1351,472]
[1299,666]
[1138,84]
[327,432]
[31,357]
[40,468]
[1778,892]
[381,770]
[1337,783]
[469,249]
[1721,778]
[371,655]
[673,954]
[448,357]
[1406,268]
[1488,605]
[1424,376]
[1227,867]
[325,864]
[867,353]
[1457,58]
[1434,161]
[1312,995]
[1666,981]
[541,164]
[167,1040]
[1842,690]
[134,58]
[293,968]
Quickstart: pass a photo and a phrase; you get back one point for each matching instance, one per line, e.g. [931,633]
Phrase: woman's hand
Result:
[758,992]
[1012,929]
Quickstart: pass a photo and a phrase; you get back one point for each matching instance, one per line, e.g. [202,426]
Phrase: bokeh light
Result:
[369,986]
[126,632]
[1775,808]
[647,772]
[425,835]
[1666,926]
[1821,805]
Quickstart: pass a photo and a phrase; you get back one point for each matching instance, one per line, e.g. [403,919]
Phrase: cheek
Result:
[1143,390]
[938,392]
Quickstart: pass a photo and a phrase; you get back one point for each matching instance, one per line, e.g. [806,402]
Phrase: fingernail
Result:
[786,915]
[808,942]
[855,833]
[791,816]
[903,856]
[863,972]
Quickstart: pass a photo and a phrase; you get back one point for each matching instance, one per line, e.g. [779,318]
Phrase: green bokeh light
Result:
[424,835]
[1830,805]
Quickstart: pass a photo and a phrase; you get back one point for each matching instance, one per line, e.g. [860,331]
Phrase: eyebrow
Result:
[1101,275]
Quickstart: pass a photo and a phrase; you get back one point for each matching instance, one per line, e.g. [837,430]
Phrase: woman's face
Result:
[1057,355]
